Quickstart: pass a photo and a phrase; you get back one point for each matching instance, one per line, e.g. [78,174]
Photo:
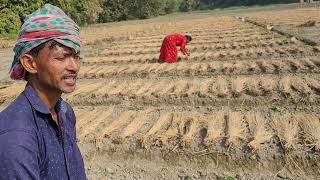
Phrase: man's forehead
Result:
[58,47]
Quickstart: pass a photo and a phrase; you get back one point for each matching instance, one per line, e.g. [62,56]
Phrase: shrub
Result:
[9,22]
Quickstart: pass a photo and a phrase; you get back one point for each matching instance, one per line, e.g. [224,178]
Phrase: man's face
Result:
[57,68]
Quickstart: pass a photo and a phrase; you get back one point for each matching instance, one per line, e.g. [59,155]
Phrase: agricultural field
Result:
[244,106]
[302,22]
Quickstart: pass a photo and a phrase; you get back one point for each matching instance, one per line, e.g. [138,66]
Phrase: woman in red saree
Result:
[169,51]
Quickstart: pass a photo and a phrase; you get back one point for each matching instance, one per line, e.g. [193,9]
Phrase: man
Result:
[169,51]
[37,130]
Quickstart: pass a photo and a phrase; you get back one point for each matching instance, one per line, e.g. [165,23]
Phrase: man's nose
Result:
[73,63]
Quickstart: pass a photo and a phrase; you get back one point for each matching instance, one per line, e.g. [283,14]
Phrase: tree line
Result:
[84,12]
[228,3]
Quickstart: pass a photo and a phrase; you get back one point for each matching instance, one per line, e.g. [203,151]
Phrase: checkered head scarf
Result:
[45,24]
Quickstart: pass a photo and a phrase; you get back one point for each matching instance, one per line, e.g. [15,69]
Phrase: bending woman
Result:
[169,50]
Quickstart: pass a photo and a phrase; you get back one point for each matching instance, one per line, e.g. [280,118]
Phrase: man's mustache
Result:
[70,74]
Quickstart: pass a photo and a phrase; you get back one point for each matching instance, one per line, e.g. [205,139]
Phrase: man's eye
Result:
[60,58]
[77,57]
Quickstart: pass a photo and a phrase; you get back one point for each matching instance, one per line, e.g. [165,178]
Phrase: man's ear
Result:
[29,64]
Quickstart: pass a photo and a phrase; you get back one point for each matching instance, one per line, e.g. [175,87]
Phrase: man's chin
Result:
[68,90]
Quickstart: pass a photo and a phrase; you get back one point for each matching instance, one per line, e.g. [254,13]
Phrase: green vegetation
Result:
[225,178]
[108,172]
[211,4]
[12,12]
[229,178]
[85,12]
[10,24]
[118,10]
[136,108]
[298,107]
[187,178]
[275,109]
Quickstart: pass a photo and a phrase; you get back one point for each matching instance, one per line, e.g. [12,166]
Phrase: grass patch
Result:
[108,172]
[9,35]
[298,108]
[229,178]
[275,109]
[225,178]
[136,108]
[187,178]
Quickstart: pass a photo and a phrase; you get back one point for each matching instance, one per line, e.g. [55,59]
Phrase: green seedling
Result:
[276,109]
[108,172]
[298,108]
[136,108]
[229,178]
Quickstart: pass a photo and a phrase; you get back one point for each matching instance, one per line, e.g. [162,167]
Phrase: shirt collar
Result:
[36,102]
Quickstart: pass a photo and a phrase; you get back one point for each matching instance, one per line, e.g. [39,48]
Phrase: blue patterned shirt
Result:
[33,146]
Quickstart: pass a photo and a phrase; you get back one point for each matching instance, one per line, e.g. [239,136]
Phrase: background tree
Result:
[228,3]
[142,9]
[93,9]
[114,10]
[189,5]
[13,12]
[172,6]
[11,23]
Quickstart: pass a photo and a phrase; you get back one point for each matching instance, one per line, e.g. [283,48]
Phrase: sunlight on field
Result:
[245,89]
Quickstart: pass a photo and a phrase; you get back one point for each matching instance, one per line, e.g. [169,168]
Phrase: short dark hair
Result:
[35,50]
[189,38]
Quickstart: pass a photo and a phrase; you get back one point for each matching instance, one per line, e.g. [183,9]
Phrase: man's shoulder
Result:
[19,106]
[18,115]
[68,111]
[66,107]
